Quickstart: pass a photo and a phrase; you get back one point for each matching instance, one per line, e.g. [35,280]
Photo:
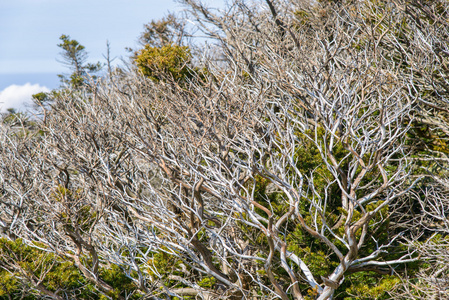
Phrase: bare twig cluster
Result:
[216,171]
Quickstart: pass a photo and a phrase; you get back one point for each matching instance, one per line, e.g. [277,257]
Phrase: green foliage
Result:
[122,284]
[41,97]
[169,60]
[367,285]
[8,284]
[207,282]
[75,56]
[20,264]
[163,264]
[23,264]
[317,256]
[74,52]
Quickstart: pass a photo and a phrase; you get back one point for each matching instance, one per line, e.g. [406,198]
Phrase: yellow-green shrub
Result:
[167,61]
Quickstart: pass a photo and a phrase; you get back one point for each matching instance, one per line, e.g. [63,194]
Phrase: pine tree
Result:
[75,57]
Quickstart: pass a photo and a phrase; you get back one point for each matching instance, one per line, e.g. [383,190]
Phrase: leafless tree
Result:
[120,172]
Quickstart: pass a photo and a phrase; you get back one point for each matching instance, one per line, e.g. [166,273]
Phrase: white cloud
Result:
[19,96]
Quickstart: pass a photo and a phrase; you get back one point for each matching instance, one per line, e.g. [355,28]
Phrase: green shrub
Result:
[159,62]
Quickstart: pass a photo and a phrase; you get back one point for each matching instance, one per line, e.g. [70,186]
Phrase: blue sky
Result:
[30,30]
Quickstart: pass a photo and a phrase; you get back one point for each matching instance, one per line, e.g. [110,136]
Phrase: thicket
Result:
[297,150]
